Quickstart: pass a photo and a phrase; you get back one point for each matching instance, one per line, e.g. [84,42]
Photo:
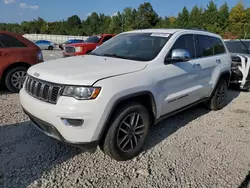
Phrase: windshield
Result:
[133,46]
[94,39]
[242,47]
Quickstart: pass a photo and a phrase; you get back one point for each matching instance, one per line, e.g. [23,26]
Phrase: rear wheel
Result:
[218,100]
[50,47]
[15,78]
[127,133]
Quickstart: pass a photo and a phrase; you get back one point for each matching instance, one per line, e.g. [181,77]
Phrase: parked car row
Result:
[45,44]
[111,94]
[71,41]
[91,43]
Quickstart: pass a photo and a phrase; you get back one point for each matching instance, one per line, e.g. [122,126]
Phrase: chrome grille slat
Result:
[42,90]
[50,93]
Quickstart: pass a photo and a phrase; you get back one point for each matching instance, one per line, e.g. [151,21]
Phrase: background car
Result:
[71,41]
[87,46]
[45,44]
[17,54]
[240,73]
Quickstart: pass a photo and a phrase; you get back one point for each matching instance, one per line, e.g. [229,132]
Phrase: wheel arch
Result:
[146,98]
[223,75]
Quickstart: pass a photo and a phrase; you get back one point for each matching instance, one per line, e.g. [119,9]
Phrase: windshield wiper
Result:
[115,55]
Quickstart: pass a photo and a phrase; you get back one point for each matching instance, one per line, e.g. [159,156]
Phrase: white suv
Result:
[112,96]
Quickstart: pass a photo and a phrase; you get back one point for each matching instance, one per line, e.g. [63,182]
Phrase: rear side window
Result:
[185,42]
[218,46]
[10,42]
[209,46]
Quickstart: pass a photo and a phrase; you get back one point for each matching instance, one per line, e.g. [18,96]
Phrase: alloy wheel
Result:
[18,79]
[221,93]
[130,132]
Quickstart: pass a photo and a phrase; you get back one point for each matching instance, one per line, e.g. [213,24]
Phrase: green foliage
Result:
[195,18]
[146,17]
[182,20]
[221,20]
[210,17]
[238,19]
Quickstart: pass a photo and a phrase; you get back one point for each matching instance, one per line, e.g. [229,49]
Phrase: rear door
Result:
[5,56]
[13,50]
[212,54]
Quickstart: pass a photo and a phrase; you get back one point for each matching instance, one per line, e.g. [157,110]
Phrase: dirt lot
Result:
[197,148]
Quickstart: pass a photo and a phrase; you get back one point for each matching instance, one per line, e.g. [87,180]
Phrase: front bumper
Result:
[49,118]
[51,131]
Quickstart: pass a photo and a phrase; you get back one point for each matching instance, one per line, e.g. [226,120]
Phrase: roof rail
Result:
[198,29]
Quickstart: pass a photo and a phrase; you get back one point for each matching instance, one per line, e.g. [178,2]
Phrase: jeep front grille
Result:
[42,90]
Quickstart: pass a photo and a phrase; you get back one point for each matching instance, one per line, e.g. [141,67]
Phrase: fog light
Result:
[73,122]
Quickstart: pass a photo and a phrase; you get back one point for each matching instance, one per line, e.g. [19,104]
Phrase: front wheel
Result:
[218,98]
[15,78]
[127,133]
[50,47]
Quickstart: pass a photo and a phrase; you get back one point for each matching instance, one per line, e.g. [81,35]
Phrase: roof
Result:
[169,31]
[172,31]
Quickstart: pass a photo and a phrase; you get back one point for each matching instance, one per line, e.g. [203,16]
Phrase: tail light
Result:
[39,55]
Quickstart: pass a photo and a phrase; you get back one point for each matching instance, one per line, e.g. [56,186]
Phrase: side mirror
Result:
[178,55]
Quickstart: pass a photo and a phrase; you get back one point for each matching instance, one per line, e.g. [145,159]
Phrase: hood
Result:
[83,70]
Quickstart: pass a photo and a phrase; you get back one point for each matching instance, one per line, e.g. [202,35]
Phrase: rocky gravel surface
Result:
[197,148]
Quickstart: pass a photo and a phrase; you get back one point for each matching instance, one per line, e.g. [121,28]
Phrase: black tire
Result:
[110,144]
[51,48]
[218,98]
[10,76]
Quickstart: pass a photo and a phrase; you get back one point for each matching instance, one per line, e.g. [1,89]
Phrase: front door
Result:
[179,79]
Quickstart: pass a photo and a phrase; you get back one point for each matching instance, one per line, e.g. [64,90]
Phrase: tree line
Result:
[229,23]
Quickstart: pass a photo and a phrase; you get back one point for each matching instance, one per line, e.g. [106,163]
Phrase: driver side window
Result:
[185,42]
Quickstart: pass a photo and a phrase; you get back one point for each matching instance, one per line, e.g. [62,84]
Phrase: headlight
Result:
[78,49]
[81,93]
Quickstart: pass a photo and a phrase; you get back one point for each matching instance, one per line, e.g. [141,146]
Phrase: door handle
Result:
[195,65]
[218,61]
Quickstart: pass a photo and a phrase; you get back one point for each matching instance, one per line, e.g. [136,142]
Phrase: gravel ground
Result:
[197,148]
[50,55]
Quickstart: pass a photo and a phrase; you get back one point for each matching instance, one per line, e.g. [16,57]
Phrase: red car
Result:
[87,46]
[17,54]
